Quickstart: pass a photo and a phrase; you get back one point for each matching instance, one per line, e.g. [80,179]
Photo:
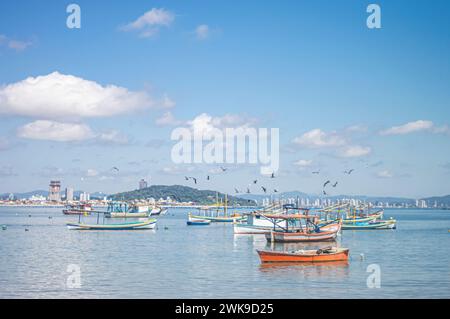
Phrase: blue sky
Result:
[294,65]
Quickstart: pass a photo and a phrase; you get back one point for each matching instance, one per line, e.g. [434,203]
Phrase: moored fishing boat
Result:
[79,209]
[309,231]
[377,224]
[217,214]
[198,222]
[304,256]
[126,210]
[362,218]
[147,224]
[257,223]
[157,210]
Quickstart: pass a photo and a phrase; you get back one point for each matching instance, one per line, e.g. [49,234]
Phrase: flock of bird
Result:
[265,189]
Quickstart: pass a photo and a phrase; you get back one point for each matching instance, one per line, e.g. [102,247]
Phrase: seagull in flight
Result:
[335,184]
[248,190]
[115,168]
[326,183]
[255,181]
[236,190]
[316,172]
[264,189]
[275,191]
[349,171]
[223,168]
[325,193]
[207,178]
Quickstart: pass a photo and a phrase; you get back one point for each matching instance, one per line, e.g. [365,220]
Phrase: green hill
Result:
[181,194]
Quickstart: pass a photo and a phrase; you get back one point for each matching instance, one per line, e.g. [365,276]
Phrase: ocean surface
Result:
[180,261]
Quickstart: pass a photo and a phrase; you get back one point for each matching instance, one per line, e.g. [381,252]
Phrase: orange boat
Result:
[307,256]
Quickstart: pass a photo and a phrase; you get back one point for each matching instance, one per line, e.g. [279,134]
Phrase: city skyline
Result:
[77,103]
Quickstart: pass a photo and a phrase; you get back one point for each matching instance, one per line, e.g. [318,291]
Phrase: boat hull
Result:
[368,218]
[326,233]
[307,257]
[388,224]
[150,224]
[219,219]
[250,229]
[198,222]
[126,215]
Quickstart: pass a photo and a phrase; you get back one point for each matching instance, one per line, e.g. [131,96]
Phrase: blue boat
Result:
[198,222]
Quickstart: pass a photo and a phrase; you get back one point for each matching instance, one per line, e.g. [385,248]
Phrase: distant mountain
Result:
[181,194]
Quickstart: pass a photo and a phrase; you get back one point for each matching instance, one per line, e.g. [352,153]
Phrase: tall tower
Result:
[54,191]
[142,184]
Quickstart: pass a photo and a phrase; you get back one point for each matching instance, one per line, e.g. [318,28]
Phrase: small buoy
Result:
[26,229]
[361,256]
[166,228]
[29,215]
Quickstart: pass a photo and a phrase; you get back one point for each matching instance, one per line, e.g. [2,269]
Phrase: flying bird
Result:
[335,184]
[236,190]
[255,181]
[325,193]
[207,178]
[316,172]
[275,191]
[326,183]
[248,190]
[115,168]
[223,168]
[186,178]
[195,180]
[264,189]
[349,171]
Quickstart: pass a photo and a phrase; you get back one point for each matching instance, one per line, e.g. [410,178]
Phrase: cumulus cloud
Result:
[68,132]
[150,22]
[57,95]
[339,143]
[384,174]
[17,45]
[355,151]
[91,172]
[205,123]
[317,138]
[167,119]
[410,127]
[113,137]
[202,32]
[303,163]
[55,131]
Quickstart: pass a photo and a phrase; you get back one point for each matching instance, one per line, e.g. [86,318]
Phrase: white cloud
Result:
[91,172]
[167,102]
[205,123]
[410,127]
[113,137]
[355,151]
[384,174]
[55,131]
[150,22]
[202,32]
[57,95]
[167,119]
[68,132]
[303,163]
[317,138]
[17,45]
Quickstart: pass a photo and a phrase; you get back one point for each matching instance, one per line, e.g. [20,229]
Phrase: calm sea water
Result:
[179,261]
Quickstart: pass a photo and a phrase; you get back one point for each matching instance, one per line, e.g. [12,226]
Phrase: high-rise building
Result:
[54,191]
[85,197]
[142,184]
[69,194]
